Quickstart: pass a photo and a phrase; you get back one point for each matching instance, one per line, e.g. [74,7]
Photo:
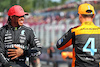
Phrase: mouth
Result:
[21,22]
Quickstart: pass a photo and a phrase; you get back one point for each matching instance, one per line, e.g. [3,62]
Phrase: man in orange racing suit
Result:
[85,39]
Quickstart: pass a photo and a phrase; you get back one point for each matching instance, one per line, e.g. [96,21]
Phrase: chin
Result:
[21,24]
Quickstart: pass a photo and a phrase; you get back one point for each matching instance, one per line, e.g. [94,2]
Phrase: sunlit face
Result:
[21,20]
[17,21]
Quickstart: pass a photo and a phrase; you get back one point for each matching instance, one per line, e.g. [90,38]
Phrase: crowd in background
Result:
[48,15]
[43,18]
[39,19]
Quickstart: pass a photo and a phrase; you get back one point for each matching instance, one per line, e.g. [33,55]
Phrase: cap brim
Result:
[22,14]
[26,13]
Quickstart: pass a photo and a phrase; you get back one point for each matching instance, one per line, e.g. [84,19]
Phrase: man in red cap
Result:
[19,40]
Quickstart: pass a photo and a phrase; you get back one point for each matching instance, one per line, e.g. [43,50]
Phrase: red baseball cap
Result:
[16,10]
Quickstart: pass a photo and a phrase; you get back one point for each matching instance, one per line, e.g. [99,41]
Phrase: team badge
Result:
[22,36]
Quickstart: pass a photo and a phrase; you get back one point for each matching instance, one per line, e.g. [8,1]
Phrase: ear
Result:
[80,15]
[93,15]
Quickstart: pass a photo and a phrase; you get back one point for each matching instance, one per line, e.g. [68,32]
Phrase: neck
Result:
[87,19]
[14,25]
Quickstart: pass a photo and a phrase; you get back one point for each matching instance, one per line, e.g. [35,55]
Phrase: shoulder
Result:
[3,27]
[27,28]
[75,28]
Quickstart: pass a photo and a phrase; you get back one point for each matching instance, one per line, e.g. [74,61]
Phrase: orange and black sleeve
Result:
[65,40]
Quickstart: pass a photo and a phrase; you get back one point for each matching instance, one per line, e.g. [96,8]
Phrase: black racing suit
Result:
[22,37]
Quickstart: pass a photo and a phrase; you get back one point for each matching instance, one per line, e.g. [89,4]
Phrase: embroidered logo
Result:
[22,36]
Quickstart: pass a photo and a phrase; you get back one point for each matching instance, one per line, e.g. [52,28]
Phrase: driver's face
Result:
[18,20]
[21,20]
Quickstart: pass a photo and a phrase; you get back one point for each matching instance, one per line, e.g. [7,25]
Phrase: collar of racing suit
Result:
[88,23]
[13,28]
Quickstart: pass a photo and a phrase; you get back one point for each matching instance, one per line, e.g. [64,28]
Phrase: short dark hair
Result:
[87,15]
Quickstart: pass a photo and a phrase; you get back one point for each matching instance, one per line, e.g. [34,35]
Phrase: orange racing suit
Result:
[86,44]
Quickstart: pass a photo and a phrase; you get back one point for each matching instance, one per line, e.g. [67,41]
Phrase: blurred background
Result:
[50,19]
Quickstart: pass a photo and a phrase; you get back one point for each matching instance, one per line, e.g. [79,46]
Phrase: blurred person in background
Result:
[58,18]
[85,39]
[18,40]
[1,20]
[35,61]
[50,51]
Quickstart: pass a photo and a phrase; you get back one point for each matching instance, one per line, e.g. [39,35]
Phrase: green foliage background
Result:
[29,5]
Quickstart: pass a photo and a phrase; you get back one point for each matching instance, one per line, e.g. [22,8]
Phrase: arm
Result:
[35,46]
[2,57]
[2,49]
[64,41]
